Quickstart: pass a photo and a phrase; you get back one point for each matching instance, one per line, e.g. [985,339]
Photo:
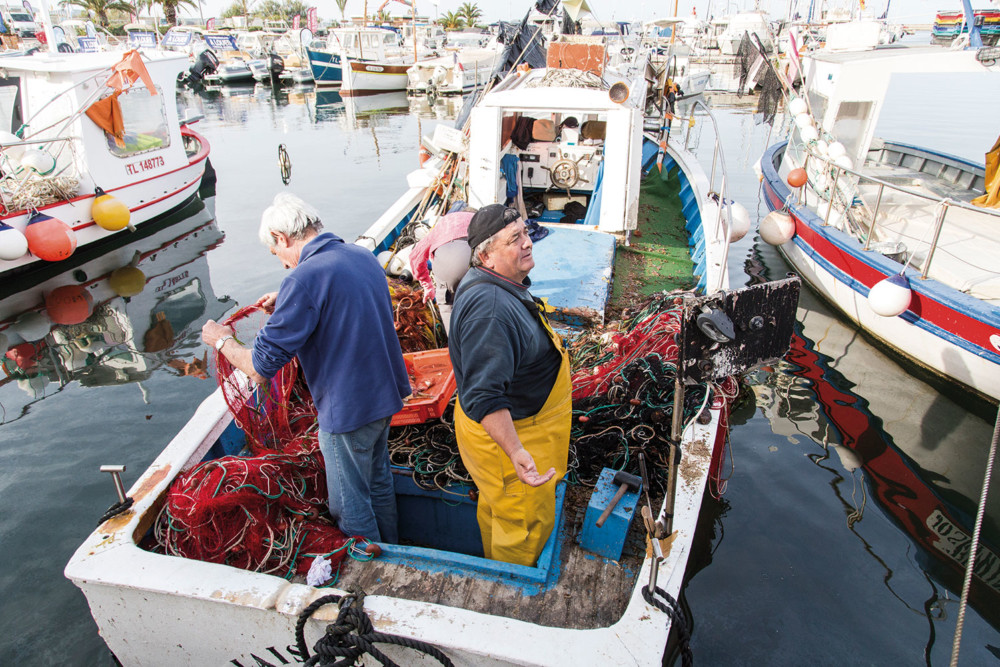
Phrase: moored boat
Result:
[69,182]
[900,238]
[573,606]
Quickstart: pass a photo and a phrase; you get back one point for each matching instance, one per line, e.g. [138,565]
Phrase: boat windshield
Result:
[145,121]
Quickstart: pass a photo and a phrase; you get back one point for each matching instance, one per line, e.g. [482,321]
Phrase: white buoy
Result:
[803,120]
[421,230]
[383,258]
[777,228]
[32,326]
[739,221]
[822,148]
[844,162]
[797,105]
[809,133]
[890,297]
[38,161]
[836,150]
[13,146]
[13,244]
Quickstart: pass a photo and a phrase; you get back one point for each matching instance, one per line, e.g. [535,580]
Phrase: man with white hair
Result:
[334,312]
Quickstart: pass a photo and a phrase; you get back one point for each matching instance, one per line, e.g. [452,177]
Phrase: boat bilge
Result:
[609,598]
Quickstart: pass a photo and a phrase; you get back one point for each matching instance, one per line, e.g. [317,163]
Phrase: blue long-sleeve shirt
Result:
[502,355]
[334,312]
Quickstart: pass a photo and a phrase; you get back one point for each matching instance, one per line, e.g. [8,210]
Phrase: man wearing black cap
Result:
[514,405]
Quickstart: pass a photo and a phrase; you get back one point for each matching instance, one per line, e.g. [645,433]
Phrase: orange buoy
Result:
[425,155]
[69,304]
[24,355]
[109,212]
[49,238]
[797,177]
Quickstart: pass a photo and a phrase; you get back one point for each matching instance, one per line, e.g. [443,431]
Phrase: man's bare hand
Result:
[266,302]
[212,331]
[524,465]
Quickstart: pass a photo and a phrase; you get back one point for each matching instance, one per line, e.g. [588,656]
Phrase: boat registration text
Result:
[144,165]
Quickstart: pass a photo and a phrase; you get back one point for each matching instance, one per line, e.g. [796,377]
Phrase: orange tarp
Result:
[128,71]
[107,114]
[992,197]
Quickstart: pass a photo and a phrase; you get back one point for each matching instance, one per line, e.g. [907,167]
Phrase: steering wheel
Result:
[564,174]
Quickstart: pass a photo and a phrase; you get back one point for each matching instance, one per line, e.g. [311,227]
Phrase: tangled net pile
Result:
[416,326]
[623,395]
[431,451]
[263,512]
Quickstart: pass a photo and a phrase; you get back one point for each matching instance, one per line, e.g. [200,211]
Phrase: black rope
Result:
[677,618]
[115,510]
[352,635]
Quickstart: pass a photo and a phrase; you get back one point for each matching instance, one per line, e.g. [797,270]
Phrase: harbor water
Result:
[808,557]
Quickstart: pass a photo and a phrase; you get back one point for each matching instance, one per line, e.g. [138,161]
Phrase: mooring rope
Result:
[967,583]
[672,609]
[352,635]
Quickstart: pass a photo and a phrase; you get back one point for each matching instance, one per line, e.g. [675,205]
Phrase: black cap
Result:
[488,221]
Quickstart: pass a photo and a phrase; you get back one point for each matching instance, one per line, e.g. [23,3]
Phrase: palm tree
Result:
[170,8]
[470,11]
[341,5]
[451,21]
[99,9]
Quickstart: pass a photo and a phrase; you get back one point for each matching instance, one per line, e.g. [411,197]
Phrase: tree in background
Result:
[451,21]
[471,12]
[341,5]
[98,9]
[170,8]
[282,10]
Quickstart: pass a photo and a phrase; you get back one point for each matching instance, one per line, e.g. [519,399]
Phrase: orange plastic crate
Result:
[433,382]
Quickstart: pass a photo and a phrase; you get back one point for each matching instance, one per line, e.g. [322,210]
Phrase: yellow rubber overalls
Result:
[516,519]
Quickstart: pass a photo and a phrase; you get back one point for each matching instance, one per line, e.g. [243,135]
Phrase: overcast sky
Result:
[913,11]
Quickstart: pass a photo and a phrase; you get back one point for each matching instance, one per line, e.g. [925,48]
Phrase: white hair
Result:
[289,215]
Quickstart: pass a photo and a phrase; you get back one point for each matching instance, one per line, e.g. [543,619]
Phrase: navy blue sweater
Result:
[502,355]
[334,312]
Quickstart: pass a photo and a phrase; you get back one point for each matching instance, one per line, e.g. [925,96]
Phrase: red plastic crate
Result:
[433,382]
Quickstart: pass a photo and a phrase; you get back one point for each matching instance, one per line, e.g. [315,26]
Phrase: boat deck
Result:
[590,591]
[967,249]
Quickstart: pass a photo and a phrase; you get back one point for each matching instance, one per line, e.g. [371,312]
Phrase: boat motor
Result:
[206,63]
[275,66]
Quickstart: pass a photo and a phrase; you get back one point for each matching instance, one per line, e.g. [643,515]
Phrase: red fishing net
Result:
[265,512]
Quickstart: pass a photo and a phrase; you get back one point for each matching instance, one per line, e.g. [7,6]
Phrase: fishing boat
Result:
[900,238]
[361,60]
[69,183]
[459,72]
[584,601]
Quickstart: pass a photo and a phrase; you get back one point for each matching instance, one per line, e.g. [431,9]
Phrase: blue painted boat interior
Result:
[573,271]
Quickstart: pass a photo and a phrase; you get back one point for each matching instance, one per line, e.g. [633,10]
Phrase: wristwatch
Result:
[222,341]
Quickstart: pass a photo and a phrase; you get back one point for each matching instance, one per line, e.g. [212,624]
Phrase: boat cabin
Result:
[364,43]
[563,145]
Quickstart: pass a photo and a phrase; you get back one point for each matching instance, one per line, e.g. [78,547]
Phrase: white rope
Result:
[967,584]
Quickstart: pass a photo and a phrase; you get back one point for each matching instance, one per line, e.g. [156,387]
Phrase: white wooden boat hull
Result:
[368,78]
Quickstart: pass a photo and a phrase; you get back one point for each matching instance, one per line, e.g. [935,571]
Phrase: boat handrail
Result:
[718,159]
[943,202]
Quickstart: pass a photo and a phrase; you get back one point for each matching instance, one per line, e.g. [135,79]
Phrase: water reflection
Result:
[114,319]
[889,439]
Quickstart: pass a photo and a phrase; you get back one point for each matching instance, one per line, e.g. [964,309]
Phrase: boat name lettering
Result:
[955,543]
[374,68]
[170,282]
[144,165]
[257,661]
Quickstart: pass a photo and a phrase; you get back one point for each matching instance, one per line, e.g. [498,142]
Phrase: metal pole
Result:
[937,233]
[871,229]
[833,196]
[711,181]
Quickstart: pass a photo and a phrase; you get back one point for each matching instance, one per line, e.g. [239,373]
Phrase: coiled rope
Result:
[352,635]
[670,607]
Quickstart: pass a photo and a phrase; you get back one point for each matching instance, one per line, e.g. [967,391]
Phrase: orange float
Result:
[797,177]
[69,304]
[49,238]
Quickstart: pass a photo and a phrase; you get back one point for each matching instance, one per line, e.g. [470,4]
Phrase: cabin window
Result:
[145,121]
[389,40]
[818,104]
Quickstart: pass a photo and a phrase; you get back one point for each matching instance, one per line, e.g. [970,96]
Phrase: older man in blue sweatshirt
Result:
[334,312]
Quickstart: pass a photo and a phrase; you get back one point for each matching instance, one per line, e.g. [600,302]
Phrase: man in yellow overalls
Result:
[514,406]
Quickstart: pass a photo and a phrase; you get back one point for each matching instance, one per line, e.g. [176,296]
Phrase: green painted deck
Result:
[659,258]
